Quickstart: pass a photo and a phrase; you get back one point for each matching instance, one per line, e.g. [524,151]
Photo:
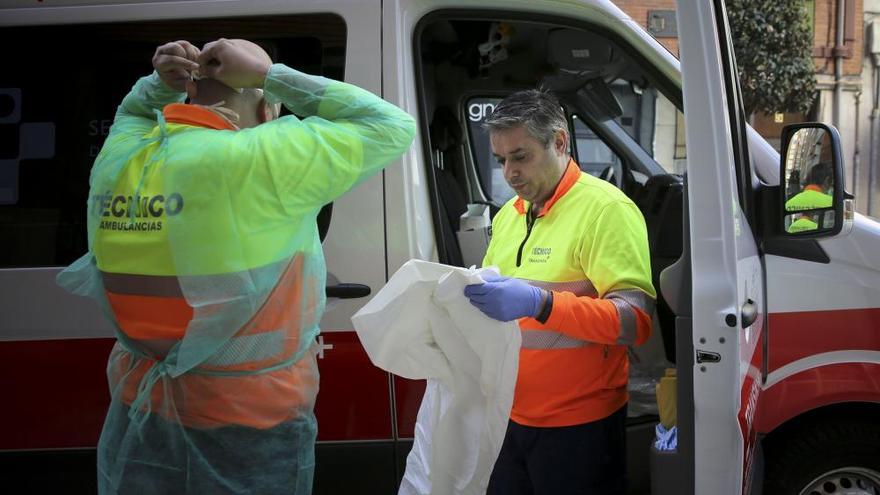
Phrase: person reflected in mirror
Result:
[817,191]
[802,223]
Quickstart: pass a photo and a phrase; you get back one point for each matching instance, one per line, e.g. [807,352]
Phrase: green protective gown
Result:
[204,253]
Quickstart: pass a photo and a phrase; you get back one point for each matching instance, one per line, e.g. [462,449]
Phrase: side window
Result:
[654,122]
[489,171]
[593,155]
[626,129]
[54,117]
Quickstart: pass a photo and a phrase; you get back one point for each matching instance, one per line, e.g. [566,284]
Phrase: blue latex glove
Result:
[505,299]
[665,439]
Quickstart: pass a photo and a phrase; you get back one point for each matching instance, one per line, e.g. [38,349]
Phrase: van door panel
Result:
[727,270]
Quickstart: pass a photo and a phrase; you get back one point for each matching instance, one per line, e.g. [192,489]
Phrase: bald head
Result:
[248,104]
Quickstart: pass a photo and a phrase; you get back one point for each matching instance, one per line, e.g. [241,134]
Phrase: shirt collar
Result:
[569,177]
[195,115]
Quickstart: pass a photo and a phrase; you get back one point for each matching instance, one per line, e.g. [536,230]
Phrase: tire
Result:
[825,458]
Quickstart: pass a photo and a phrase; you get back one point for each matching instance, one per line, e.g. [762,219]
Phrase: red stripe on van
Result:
[750,397]
[55,393]
[354,401]
[408,395]
[56,396]
[817,387]
[798,335]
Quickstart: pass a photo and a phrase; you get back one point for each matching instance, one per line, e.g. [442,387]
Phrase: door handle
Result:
[749,313]
[347,291]
[707,357]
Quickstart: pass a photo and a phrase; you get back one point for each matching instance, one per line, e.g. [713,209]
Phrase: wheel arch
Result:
[835,443]
[804,393]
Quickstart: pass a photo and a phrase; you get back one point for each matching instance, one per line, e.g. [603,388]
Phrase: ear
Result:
[192,89]
[267,112]
[560,142]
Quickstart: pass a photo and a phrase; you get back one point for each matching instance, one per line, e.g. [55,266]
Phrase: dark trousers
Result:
[163,458]
[587,459]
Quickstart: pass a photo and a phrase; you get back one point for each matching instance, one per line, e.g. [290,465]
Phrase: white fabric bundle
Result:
[421,326]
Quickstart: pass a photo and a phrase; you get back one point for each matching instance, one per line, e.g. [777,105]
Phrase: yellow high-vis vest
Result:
[811,198]
[588,245]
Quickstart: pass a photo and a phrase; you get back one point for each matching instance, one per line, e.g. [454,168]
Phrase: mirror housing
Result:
[811,176]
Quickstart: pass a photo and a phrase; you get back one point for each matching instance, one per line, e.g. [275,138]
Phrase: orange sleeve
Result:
[614,257]
[590,319]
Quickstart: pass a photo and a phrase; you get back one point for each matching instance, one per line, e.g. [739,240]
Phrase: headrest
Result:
[445,129]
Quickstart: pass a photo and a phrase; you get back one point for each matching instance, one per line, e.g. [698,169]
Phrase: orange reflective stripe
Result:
[150,317]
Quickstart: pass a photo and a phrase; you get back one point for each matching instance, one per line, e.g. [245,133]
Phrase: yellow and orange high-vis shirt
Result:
[589,246]
[137,267]
[204,244]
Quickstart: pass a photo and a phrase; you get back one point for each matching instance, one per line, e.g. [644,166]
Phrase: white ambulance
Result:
[774,330]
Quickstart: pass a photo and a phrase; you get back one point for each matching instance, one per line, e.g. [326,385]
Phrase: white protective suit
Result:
[421,326]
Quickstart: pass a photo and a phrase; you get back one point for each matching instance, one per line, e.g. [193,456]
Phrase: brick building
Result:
[846,94]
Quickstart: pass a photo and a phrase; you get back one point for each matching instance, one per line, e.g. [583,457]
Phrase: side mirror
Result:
[812,181]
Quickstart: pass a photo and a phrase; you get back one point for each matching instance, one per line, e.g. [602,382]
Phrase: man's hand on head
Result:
[235,63]
[175,63]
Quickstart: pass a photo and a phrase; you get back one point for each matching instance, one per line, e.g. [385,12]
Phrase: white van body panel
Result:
[25,317]
[850,281]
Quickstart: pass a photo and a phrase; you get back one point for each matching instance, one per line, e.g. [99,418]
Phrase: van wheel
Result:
[838,458]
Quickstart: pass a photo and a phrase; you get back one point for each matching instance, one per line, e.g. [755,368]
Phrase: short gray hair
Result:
[538,111]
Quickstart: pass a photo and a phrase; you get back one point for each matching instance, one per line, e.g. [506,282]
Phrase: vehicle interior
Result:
[626,124]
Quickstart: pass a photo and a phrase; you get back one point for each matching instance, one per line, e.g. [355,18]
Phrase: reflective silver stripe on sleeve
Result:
[627,316]
[635,298]
[577,287]
[549,339]
[249,348]
[626,301]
